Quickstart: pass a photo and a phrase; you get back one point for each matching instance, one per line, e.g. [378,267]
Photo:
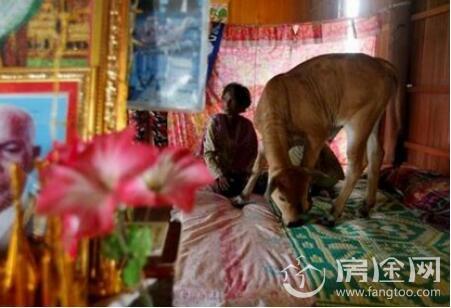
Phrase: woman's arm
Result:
[210,152]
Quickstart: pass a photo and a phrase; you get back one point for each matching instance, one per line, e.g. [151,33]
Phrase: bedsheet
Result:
[382,253]
[234,257]
[231,257]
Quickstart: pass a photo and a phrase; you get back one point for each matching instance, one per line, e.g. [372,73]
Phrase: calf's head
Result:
[285,191]
[287,188]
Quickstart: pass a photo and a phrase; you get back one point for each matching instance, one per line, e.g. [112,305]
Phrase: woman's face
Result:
[229,104]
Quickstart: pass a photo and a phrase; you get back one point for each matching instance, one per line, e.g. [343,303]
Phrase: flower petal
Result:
[86,224]
[86,181]
[174,178]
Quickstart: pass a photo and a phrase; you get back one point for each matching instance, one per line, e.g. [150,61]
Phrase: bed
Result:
[224,260]
[231,257]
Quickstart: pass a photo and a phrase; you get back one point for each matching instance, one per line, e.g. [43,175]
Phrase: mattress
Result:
[234,257]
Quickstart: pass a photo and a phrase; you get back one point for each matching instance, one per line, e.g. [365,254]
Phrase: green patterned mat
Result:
[392,232]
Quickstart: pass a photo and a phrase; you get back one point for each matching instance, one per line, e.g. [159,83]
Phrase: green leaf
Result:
[132,272]
[111,247]
[139,241]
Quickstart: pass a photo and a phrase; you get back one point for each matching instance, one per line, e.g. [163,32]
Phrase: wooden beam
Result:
[429,13]
[162,270]
[427,149]
[429,89]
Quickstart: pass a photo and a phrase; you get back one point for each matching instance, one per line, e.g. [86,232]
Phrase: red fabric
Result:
[422,190]
[251,55]
[326,31]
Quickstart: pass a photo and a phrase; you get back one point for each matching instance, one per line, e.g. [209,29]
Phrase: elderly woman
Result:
[230,143]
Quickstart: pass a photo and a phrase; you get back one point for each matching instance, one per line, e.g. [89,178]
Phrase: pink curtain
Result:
[251,55]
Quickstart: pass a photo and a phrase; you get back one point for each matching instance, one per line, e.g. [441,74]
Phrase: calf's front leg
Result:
[311,154]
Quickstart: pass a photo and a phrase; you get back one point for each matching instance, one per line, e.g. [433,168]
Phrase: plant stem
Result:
[146,298]
[121,233]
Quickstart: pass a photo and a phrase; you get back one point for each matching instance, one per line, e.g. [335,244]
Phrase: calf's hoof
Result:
[328,221]
[296,223]
[239,202]
[364,212]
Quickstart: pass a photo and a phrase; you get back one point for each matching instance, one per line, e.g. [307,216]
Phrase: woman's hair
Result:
[240,93]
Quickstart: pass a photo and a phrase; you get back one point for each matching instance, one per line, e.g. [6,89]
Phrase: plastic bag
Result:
[169,60]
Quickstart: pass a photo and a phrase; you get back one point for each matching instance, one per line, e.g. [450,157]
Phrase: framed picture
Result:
[169,59]
[90,34]
[59,103]
[49,28]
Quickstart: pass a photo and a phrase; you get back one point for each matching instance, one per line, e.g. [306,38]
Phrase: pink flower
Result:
[173,180]
[85,182]
[63,153]
[81,186]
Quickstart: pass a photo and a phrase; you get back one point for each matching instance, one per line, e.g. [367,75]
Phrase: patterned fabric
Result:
[307,33]
[422,190]
[160,128]
[231,257]
[391,231]
[251,55]
[151,127]
[141,122]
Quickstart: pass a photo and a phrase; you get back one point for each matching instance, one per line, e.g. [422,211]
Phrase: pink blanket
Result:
[232,257]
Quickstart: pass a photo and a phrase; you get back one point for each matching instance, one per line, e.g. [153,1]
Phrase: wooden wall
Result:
[268,11]
[428,136]
[291,11]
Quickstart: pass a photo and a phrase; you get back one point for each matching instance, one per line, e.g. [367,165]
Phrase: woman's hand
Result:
[223,183]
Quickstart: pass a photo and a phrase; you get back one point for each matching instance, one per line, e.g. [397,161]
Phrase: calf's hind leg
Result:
[357,131]
[375,154]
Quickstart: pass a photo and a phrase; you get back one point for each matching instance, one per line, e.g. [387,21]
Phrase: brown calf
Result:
[310,102]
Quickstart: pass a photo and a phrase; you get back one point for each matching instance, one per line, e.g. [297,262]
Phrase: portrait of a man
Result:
[17,135]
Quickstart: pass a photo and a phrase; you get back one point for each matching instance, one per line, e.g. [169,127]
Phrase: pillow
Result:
[422,190]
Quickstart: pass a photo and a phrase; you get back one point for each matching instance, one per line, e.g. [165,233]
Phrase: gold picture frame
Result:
[110,60]
[108,65]
[75,84]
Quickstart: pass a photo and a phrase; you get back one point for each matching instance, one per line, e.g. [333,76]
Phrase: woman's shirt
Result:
[229,149]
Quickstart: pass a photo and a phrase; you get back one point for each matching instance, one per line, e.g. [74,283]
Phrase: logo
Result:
[389,270]
[301,275]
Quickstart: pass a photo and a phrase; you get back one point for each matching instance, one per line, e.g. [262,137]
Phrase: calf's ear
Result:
[280,179]
[274,182]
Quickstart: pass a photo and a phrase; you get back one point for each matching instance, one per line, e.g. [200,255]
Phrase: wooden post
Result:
[398,53]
